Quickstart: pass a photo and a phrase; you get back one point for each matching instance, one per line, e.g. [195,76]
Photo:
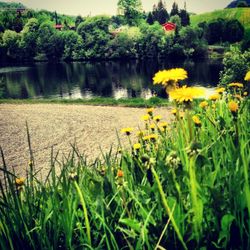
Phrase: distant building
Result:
[58,26]
[169,26]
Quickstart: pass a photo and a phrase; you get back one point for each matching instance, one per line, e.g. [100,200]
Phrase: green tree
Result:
[160,12]
[215,31]
[185,19]
[242,4]
[175,10]
[150,18]
[233,32]
[78,20]
[132,10]
[95,34]
[11,40]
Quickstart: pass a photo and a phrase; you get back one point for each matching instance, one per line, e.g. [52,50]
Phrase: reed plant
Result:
[181,185]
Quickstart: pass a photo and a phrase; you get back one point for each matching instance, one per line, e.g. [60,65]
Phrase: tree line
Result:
[131,33]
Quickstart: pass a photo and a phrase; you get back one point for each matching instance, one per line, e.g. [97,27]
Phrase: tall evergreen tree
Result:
[174,10]
[160,12]
[185,19]
[150,18]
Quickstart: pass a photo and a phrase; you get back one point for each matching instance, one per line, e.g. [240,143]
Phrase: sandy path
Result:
[90,127]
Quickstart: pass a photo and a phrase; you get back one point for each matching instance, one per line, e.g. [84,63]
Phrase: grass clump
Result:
[180,185]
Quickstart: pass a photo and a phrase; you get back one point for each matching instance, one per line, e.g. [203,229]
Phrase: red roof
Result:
[169,26]
[58,26]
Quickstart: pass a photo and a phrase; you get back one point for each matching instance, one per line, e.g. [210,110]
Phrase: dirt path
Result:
[90,127]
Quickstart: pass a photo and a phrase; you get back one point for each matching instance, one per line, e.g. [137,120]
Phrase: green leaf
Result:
[132,223]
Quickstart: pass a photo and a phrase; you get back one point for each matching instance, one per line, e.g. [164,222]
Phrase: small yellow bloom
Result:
[140,134]
[203,104]
[126,131]
[150,137]
[163,124]
[20,181]
[150,111]
[196,120]
[214,97]
[137,146]
[152,126]
[236,84]
[247,77]
[245,93]
[157,118]
[220,90]
[145,117]
[233,106]
[174,111]
[186,94]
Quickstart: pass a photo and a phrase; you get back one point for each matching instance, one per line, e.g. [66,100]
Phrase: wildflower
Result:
[19,181]
[127,131]
[196,120]
[120,173]
[247,77]
[174,111]
[203,104]
[236,84]
[220,90]
[157,118]
[145,118]
[163,125]
[140,134]
[152,126]
[165,76]
[233,106]
[245,93]
[214,97]
[137,146]
[150,111]
[151,137]
[186,94]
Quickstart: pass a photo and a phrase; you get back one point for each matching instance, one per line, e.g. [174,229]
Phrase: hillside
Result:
[241,14]
[234,3]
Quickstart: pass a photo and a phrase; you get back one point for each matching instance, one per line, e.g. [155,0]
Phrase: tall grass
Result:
[184,185]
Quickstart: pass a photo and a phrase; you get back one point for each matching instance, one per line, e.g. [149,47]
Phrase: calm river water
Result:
[118,79]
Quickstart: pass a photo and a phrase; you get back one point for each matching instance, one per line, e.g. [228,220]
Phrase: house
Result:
[169,26]
[58,26]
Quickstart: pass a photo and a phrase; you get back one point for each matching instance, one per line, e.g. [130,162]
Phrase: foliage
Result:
[235,64]
[183,185]
[160,12]
[241,14]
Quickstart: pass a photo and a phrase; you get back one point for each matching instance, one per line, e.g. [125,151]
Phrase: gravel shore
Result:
[88,127]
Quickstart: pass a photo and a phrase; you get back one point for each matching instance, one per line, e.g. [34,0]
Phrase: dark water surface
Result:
[118,79]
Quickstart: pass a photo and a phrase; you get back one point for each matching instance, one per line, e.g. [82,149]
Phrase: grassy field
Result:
[241,14]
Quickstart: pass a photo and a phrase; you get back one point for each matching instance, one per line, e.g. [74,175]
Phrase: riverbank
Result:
[97,101]
[90,128]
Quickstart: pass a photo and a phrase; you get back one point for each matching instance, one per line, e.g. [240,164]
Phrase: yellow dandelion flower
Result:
[145,117]
[137,146]
[126,131]
[186,94]
[214,97]
[165,76]
[220,90]
[174,111]
[150,111]
[163,124]
[157,118]
[20,181]
[247,77]
[236,85]
[151,137]
[203,104]
[196,120]
[245,93]
[152,126]
[233,106]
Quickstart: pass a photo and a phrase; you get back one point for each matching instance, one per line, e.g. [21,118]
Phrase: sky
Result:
[95,7]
